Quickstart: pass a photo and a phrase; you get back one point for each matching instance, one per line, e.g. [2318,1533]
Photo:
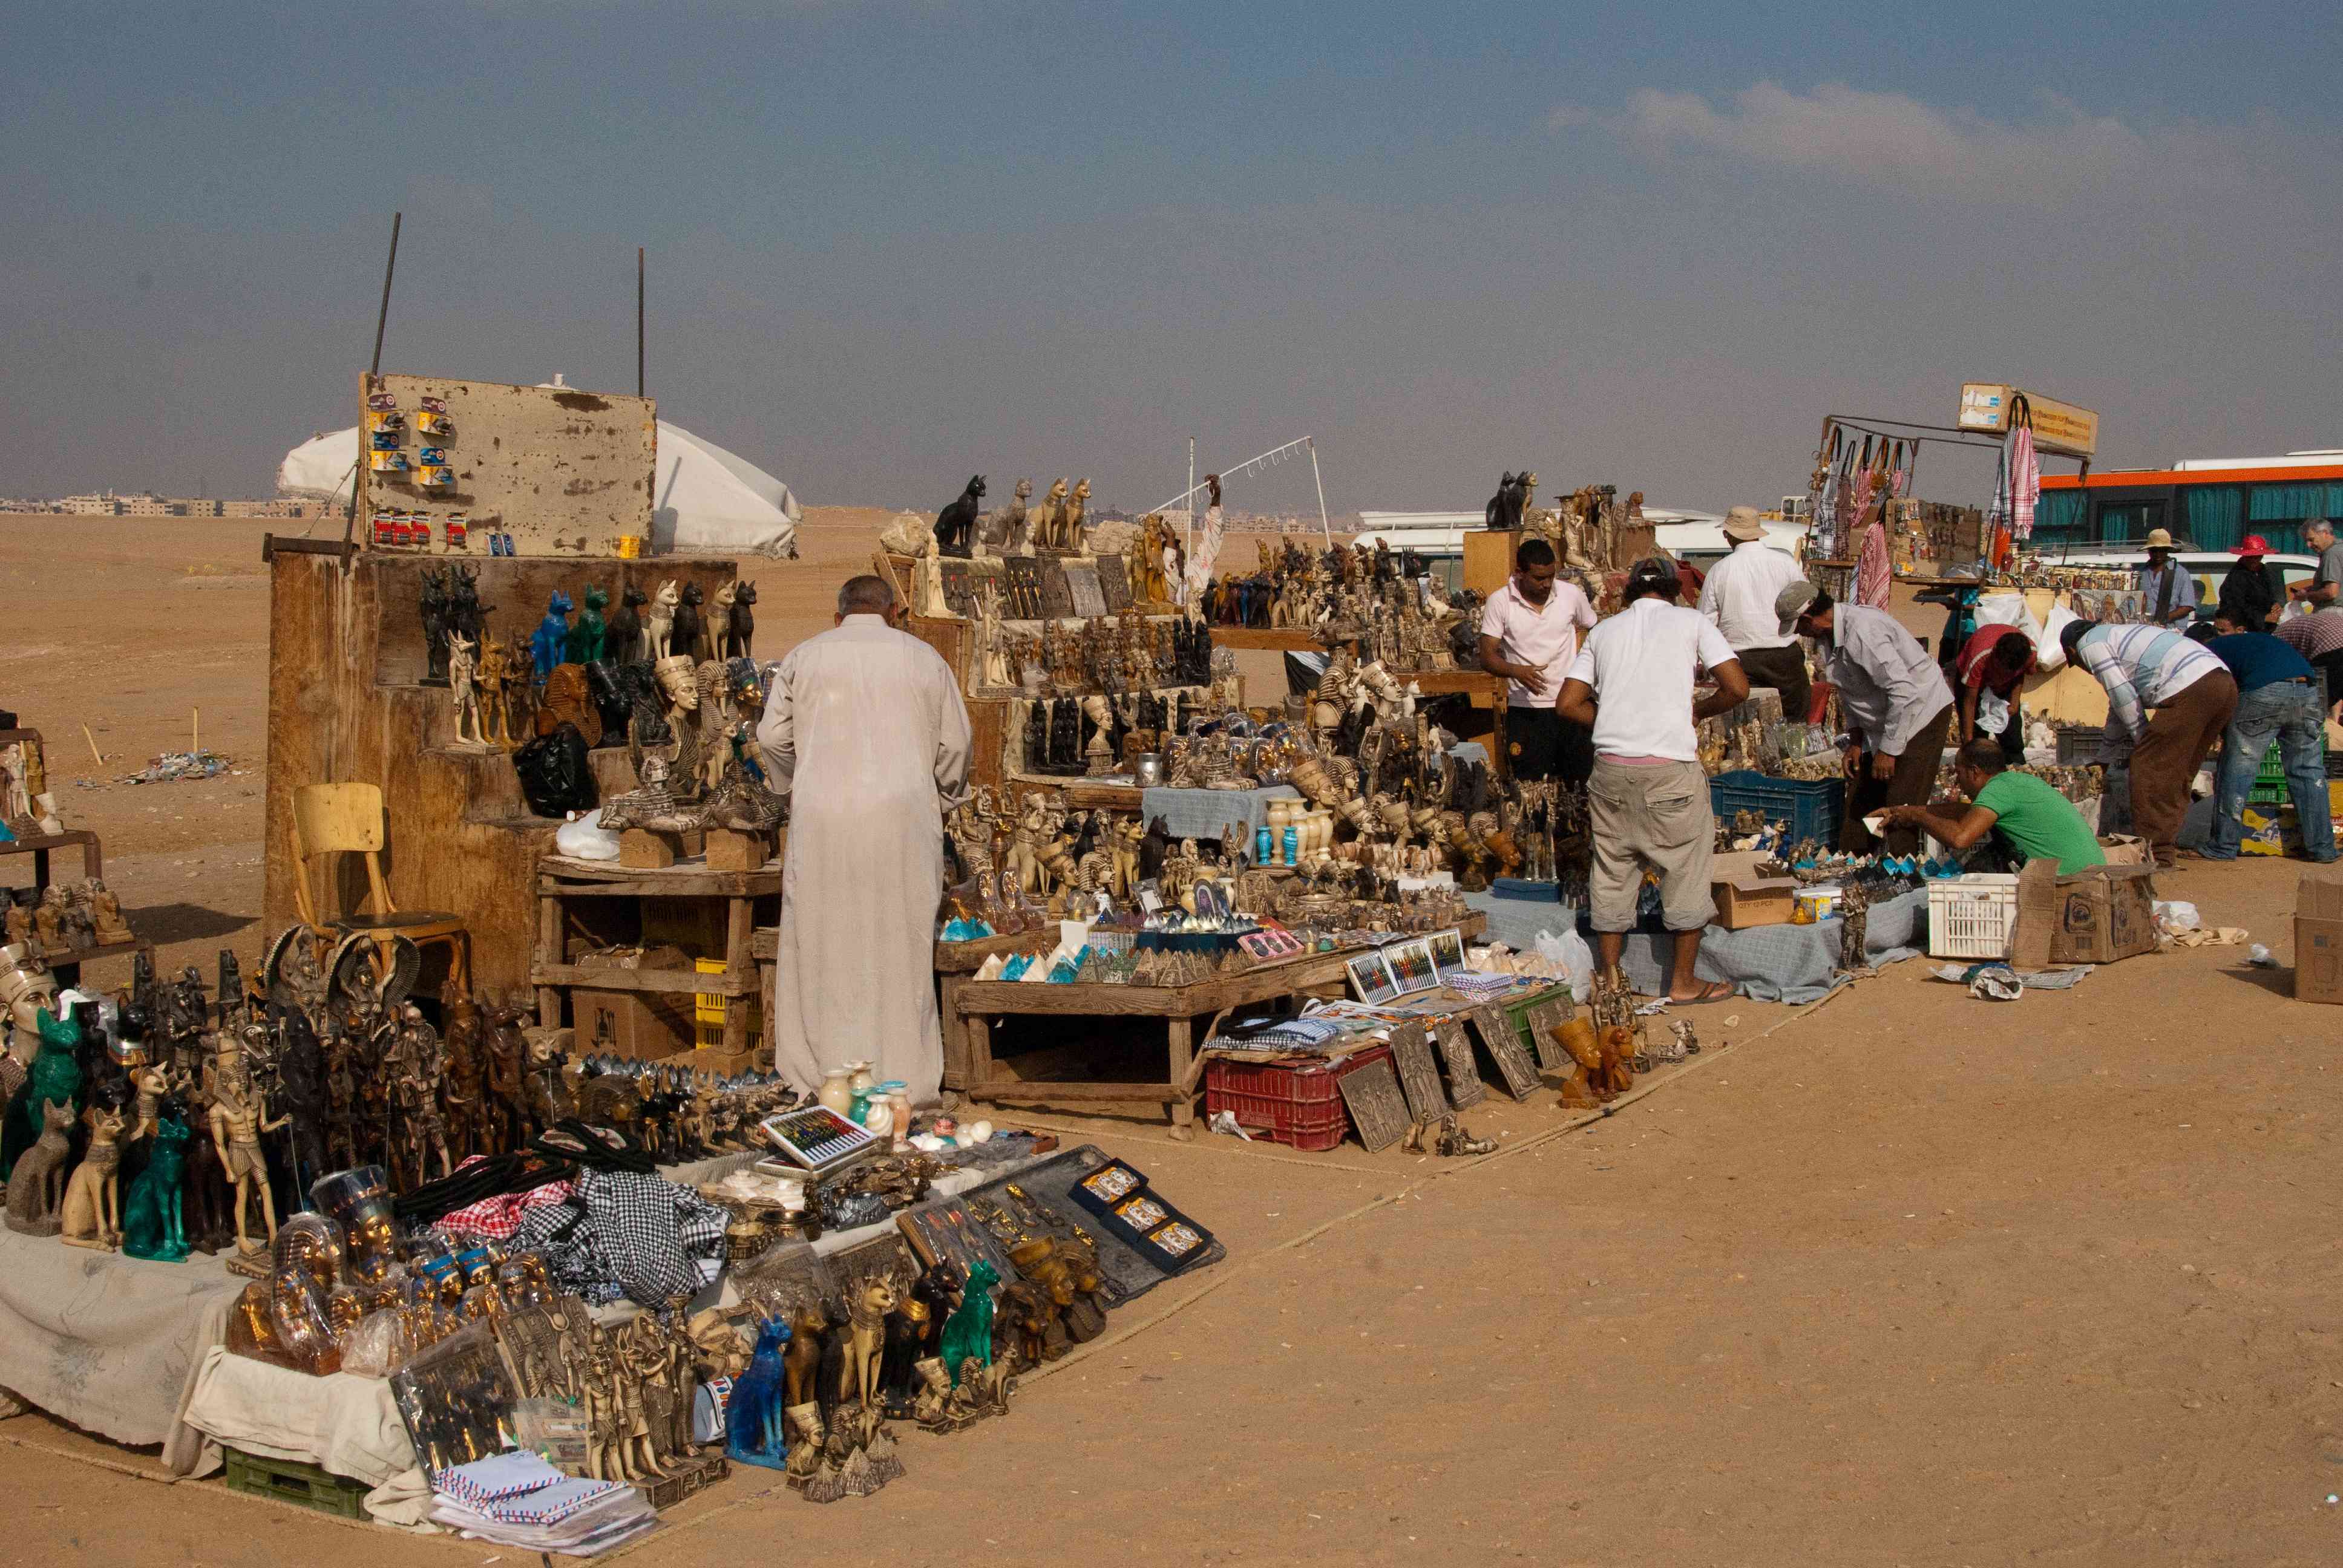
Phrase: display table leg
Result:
[955,1029]
[1183,1111]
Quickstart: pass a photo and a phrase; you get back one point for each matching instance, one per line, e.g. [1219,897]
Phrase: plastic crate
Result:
[290,1481]
[708,1010]
[1296,1103]
[2079,744]
[1812,807]
[1971,917]
[2268,788]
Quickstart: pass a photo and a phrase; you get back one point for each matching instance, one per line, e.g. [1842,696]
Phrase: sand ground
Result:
[1906,1277]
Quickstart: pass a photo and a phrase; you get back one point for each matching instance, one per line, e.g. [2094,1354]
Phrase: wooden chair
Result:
[331,820]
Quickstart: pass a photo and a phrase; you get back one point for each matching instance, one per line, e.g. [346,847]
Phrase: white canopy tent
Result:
[705,500]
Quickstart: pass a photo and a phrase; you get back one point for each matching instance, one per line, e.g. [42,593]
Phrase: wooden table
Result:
[561,879]
[66,961]
[973,1005]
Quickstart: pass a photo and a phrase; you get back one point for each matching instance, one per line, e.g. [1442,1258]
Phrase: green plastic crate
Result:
[290,1481]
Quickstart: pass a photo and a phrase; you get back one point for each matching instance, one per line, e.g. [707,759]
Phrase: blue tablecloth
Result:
[1769,963]
[1205,813]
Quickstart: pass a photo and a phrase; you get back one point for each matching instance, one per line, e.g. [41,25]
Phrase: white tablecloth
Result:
[345,1423]
[108,1342]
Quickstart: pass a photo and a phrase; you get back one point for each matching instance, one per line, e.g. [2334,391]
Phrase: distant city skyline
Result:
[895,242]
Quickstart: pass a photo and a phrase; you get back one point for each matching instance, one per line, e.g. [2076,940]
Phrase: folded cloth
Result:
[498,1218]
[625,1234]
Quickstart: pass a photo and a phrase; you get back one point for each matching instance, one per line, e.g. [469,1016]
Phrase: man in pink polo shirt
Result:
[1529,634]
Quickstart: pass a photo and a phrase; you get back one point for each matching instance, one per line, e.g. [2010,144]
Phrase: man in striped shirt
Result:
[2194,696]
[2319,638]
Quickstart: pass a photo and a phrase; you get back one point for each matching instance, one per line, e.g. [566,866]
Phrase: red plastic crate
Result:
[1297,1103]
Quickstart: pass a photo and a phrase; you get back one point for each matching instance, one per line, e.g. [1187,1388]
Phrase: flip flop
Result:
[1714,990]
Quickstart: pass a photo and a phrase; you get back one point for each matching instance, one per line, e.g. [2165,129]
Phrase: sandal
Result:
[1712,990]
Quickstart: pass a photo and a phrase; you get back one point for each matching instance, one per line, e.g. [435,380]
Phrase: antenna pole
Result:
[1325,530]
[638,321]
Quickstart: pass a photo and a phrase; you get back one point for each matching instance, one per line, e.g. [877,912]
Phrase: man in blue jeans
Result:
[2279,697]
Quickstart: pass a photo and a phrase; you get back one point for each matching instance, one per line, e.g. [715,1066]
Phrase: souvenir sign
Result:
[1503,1045]
[1371,979]
[1057,597]
[433,424]
[1082,587]
[1411,966]
[1114,583]
[435,479]
[386,462]
[1024,588]
[1378,1113]
[1545,1019]
[1419,1076]
[1447,951]
[1465,1088]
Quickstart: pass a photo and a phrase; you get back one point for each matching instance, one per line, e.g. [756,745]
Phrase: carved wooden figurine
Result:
[237,1129]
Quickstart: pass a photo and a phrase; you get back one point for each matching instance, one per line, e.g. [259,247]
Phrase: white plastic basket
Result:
[1972,917]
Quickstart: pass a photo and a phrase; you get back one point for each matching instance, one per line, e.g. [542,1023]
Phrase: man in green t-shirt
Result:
[2033,821]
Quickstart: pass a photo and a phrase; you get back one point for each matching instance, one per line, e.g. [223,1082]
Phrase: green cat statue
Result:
[56,1075]
[968,1330]
[152,1226]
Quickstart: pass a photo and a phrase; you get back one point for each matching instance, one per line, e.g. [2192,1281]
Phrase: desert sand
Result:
[1906,1277]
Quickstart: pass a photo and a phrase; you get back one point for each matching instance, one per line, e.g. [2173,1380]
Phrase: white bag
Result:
[1570,953]
[2049,653]
[583,838]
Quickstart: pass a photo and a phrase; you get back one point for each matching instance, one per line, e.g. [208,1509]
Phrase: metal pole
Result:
[1191,476]
[382,318]
[638,321]
[1325,530]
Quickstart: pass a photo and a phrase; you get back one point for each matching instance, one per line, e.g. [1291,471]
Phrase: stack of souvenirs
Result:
[671,676]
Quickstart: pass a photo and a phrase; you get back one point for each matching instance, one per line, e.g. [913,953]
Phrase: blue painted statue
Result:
[754,1432]
[552,638]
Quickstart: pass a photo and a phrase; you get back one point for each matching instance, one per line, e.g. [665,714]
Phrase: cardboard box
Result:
[2319,940]
[2123,850]
[1743,898]
[2094,917]
[641,1026]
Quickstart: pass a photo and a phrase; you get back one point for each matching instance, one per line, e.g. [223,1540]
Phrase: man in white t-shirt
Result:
[1647,801]
[1738,599]
[1529,634]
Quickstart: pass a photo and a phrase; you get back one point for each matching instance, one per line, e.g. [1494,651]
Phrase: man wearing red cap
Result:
[2249,594]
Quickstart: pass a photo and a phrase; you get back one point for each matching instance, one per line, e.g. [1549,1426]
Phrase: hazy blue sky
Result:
[894,243]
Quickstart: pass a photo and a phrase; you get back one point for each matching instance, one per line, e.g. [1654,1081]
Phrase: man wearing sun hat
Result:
[1738,599]
[2171,592]
[2249,594]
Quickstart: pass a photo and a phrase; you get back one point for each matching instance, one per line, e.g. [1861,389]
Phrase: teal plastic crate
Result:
[1812,807]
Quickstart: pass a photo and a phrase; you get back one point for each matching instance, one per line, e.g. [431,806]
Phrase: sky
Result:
[893,243]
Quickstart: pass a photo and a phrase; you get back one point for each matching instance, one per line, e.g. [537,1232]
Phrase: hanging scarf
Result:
[2026,490]
[1871,565]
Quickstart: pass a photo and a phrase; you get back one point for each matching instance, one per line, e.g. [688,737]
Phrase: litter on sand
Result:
[173,767]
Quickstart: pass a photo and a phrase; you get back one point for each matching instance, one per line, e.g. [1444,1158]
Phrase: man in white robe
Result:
[866,733]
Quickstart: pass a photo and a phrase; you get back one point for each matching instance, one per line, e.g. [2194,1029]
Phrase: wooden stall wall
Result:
[565,471]
[345,704]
